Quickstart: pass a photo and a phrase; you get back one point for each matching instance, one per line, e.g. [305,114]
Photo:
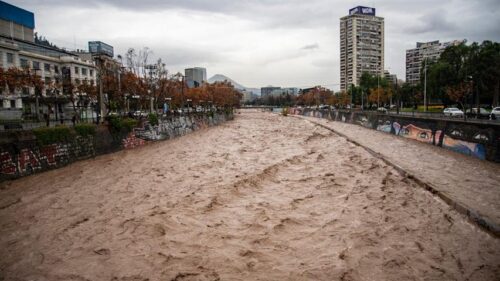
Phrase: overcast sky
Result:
[258,42]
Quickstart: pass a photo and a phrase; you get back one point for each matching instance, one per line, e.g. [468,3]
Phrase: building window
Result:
[84,71]
[47,80]
[91,72]
[24,63]
[36,65]
[56,69]
[46,67]
[10,58]
[76,70]
[12,104]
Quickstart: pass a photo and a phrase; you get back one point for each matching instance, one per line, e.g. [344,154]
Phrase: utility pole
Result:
[101,95]
[352,93]
[425,85]
[362,103]
[378,88]
[182,95]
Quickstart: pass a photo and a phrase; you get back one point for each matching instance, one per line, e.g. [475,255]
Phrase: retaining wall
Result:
[22,155]
[478,140]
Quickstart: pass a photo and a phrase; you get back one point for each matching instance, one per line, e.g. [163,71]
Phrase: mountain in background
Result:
[222,78]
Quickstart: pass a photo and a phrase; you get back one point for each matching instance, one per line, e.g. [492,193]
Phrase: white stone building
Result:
[430,51]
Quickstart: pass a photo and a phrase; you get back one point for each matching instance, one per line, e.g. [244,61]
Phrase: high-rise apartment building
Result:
[430,51]
[361,45]
[195,76]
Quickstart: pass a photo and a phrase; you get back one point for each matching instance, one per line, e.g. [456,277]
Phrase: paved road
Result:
[263,197]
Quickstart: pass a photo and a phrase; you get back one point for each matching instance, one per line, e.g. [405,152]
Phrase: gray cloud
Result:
[435,22]
[258,41]
[310,47]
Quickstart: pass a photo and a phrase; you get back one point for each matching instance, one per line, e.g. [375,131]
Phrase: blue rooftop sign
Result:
[362,11]
[12,13]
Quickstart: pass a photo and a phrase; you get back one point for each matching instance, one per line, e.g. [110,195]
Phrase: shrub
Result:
[153,119]
[129,124]
[228,110]
[118,125]
[84,129]
[46,136]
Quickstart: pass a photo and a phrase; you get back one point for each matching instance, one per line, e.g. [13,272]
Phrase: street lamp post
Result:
[181,78]
[378,87]
[169,104]
[425,85]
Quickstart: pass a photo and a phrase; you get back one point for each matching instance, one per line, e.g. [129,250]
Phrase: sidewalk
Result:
[468,184]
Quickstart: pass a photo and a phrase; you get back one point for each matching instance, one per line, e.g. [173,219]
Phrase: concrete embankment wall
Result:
[481,140]
[21,154]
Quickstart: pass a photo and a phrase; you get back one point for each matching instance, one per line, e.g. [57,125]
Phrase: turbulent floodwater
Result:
[263,197]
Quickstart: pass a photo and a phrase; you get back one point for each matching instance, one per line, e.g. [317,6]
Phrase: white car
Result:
[453,112]
[495,112]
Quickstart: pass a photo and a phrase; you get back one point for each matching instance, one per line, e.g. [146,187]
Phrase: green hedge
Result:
[46,136]
[153,119]
[118,125]
[85,129]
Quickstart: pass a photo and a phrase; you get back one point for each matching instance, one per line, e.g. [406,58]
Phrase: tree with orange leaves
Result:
[380,95]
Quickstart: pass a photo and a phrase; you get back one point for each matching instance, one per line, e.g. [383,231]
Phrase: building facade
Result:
[425,51]
[361,45]
[391,78]
[56,69]
[284,92]
[59,73]
[195,76]
[266,91]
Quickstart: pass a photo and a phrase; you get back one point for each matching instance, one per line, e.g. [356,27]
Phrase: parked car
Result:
[382,110]
[483,113]
[139,113]
[453,112]
[495,113]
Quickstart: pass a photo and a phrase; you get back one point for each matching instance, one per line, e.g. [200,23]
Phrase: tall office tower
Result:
[361,45]
[429,51]
[195,76]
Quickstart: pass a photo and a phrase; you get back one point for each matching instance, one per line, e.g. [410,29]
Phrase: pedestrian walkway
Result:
[468,183]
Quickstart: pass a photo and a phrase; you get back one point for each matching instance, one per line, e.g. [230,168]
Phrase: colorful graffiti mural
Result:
[473,149]
[473,144]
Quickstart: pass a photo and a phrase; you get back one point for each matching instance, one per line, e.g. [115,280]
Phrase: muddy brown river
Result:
[263,197]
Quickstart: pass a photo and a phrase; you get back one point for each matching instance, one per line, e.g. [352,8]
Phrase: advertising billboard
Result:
[362,11]
[100,48]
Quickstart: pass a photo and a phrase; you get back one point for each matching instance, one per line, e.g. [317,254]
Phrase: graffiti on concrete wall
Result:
[473,149]
[171,128]
[32,158]
[454,140]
